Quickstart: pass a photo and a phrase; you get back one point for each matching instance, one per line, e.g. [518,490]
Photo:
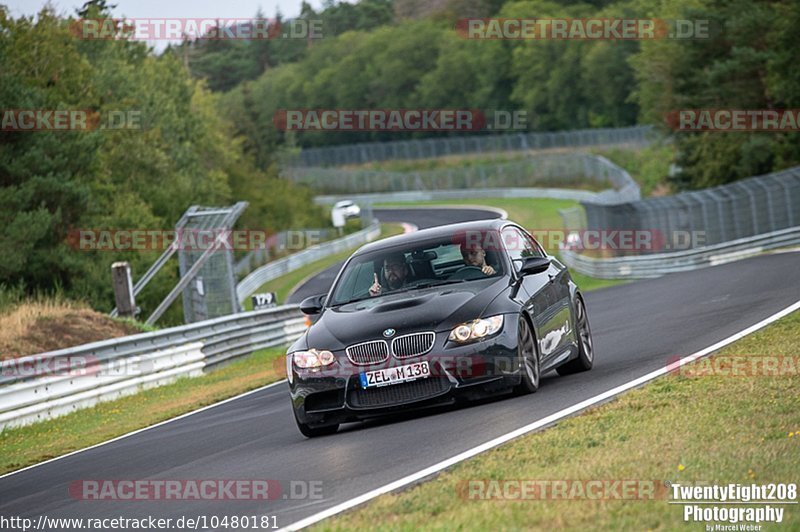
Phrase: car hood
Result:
[431,309]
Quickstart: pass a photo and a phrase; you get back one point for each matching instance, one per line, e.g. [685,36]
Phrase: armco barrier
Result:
[42,386]
[658,264]
[593,167]
[275,269]
[474,193]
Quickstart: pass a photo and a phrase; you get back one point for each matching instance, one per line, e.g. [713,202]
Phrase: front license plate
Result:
[385,377]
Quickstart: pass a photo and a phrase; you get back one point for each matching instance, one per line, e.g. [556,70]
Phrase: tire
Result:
[530,368]
[585,358]
[313,432]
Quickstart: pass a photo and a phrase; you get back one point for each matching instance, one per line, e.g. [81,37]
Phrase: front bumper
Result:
[334,394]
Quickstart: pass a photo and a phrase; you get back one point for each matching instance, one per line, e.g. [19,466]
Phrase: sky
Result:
[170,8]
[158,9]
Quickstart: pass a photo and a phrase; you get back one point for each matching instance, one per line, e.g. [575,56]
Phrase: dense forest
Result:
[207,109]
[53,182]
[406,54]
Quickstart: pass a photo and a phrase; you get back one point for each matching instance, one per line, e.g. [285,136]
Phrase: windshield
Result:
[418,266]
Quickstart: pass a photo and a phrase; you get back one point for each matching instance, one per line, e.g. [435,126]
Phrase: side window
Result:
[520,246]
[540,252]
[356,283]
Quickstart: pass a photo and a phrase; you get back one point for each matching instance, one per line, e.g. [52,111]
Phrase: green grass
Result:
[23,446]
[649,166]
[534,214]
[283,286]
[679,428]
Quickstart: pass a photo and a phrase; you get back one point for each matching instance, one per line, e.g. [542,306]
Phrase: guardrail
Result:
[50,384]
[275,269]
[281,240]
[475,193]
[658,264]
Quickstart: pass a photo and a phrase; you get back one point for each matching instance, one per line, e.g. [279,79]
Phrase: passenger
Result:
[396,273]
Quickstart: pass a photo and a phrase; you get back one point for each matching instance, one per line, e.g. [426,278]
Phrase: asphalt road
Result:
[637,328]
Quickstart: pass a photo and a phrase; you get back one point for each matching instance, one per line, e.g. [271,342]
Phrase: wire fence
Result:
[746,208]
[211,292]
[462,145]
[572,170]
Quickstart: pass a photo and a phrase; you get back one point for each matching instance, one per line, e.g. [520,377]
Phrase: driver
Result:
[395,271]
[475,255]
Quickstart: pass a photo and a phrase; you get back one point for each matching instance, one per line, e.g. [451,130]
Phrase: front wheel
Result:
[585,358]
[528,359]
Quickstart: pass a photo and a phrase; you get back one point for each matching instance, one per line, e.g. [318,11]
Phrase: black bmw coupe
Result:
[426,318]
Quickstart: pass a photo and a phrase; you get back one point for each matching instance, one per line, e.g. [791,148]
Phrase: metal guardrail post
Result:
[123,289]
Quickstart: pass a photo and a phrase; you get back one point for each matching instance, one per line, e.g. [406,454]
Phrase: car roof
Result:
[432,233]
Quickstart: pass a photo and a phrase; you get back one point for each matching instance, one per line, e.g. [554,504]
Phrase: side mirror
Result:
[312,305]
[533,265]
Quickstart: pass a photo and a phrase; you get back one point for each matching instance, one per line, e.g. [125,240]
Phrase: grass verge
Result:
[689,427]
[283,285]
[23,446]
[534,214]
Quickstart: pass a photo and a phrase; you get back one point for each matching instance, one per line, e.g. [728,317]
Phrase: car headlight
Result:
[313,358]
[476,329]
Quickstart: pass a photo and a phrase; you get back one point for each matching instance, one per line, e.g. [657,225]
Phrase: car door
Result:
[563,334]
[546,295]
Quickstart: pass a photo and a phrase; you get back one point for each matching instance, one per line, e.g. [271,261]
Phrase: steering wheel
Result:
[466,272]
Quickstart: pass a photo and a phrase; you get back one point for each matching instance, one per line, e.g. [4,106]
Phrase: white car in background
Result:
[347,208]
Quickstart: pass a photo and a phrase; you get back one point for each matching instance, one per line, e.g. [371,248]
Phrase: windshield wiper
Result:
[438,283]
[427,285]
[356,300]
